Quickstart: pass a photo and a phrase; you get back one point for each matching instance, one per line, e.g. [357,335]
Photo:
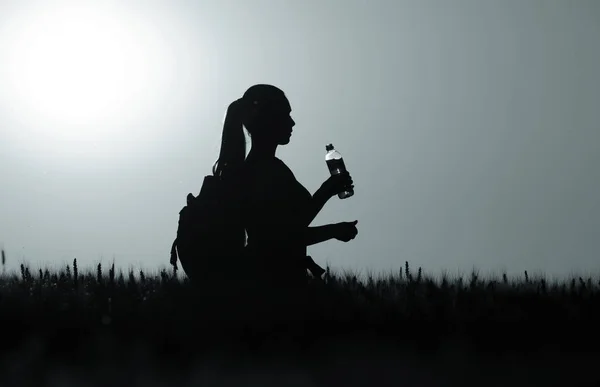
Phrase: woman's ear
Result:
[252,109]
[251,113]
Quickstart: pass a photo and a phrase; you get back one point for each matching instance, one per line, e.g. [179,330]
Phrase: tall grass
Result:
[165,310]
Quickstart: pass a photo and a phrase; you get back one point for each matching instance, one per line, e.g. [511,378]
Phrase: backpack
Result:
[210,234]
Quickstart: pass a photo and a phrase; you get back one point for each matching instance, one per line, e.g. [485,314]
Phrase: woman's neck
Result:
[262,152]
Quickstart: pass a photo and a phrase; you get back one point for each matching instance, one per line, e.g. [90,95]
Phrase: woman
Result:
[277,208]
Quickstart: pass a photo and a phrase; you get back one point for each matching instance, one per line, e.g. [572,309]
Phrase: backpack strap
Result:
[189,200]
[174,254]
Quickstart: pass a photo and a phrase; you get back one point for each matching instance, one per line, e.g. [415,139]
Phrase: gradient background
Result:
[470,128]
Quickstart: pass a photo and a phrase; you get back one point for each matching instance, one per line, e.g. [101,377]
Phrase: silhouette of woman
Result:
[277,209]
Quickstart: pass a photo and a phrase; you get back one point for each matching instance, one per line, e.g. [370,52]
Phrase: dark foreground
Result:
[68,329]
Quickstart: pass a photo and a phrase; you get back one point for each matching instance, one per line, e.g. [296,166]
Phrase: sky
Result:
[471,128]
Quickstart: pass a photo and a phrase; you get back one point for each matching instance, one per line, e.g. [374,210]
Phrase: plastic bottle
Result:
[335,163]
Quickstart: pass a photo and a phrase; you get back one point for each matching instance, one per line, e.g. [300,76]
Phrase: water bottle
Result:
[335,163]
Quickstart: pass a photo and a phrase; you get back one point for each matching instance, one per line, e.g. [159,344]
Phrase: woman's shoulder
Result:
[269,175]
[267,168]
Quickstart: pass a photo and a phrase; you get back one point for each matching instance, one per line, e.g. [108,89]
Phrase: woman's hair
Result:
[256,104]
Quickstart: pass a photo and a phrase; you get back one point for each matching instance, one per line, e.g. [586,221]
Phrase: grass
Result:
[67,308]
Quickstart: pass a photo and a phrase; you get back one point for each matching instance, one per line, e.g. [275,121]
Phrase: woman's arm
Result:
[318,234]
[316,205]
[281,236]
[334,184]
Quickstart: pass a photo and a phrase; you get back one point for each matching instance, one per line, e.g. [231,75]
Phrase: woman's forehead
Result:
[282,104]
[286,104]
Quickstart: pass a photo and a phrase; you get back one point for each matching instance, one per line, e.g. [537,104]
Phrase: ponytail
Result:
[246,111]
[233,143]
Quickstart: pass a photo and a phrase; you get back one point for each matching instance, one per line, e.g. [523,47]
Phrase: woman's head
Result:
[265,112]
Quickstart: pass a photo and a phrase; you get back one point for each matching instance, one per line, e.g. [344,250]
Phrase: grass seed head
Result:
[99,273]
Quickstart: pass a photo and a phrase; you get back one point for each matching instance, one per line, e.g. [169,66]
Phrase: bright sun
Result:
[80,71]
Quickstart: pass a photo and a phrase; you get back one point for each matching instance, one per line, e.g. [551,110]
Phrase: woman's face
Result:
[278,122]
[284,123]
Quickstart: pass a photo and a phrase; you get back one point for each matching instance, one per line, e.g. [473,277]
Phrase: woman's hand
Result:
[337,183]
[345,231]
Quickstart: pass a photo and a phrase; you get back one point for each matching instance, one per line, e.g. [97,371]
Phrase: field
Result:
[101,327]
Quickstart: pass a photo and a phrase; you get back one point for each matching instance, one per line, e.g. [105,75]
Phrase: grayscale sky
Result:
[471,128]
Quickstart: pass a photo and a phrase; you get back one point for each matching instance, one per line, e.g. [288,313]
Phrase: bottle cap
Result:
[328,147]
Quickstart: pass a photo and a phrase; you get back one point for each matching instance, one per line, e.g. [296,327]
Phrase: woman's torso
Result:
[275,208]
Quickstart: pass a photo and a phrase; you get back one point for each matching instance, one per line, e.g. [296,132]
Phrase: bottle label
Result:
[336,166]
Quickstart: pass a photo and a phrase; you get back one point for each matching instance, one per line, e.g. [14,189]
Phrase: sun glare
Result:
[79,72]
